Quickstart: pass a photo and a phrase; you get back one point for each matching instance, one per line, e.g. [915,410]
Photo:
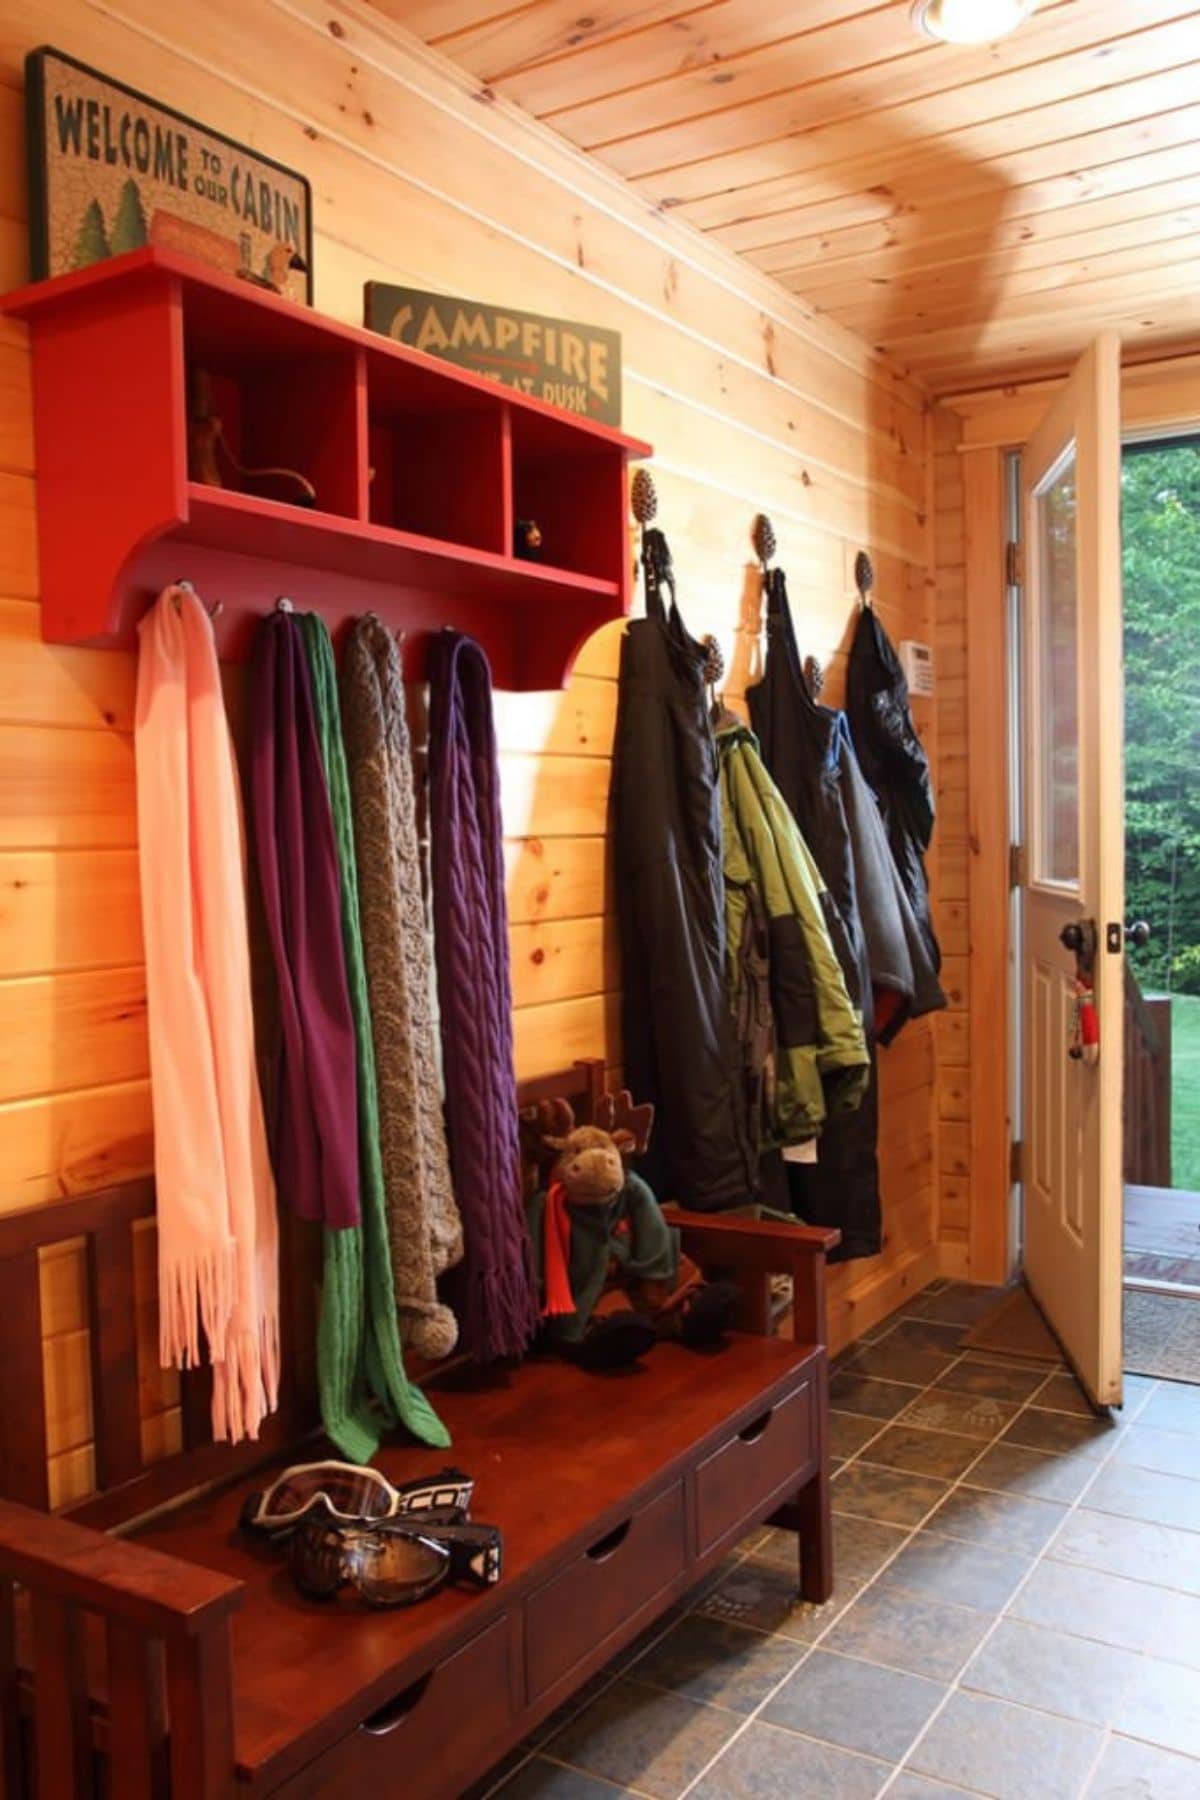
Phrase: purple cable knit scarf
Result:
[315,1134]
[493,1292]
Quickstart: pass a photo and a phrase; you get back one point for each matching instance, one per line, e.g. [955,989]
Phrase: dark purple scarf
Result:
[315,1125]
[493,1292]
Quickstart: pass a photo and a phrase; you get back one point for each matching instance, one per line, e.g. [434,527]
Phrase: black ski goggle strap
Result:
[394,1562]
[352,1493]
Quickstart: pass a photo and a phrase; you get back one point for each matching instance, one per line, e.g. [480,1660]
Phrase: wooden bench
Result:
[147,1647]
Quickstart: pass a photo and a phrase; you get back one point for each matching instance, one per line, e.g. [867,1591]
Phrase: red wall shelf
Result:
[420,470]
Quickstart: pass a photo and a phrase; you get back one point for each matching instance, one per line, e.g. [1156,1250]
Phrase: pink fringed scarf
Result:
[218,1242]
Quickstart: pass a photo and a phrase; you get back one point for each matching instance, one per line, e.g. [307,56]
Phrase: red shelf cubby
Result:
[436,468]
[565,481]
[420,471]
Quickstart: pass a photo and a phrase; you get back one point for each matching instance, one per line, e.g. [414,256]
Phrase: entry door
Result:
[1075,855]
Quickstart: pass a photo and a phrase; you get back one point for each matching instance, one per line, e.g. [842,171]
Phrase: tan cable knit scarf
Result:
[423,1222]
[218,1244]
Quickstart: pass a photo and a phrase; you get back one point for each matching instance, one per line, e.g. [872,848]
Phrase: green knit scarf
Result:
[360,1364]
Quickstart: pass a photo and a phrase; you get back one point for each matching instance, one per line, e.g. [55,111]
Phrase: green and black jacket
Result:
[804,1053]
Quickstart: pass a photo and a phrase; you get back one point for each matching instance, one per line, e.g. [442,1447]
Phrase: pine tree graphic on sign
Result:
[129,227]
[92,243]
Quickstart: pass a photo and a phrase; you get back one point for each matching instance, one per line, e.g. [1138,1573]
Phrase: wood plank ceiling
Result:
[974,211]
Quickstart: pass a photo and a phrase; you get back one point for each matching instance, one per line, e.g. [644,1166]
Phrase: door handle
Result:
[1115,936]
[1079,937]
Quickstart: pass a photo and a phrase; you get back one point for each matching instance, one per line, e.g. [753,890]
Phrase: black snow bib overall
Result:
[680,1049]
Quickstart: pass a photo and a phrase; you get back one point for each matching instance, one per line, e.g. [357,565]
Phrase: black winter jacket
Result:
[893,760]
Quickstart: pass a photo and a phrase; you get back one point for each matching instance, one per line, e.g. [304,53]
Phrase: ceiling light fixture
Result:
[969,21]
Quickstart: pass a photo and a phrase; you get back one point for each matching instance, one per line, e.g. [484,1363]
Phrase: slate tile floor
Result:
[1017,1612]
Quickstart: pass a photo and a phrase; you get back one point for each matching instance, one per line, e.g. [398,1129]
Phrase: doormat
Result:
[1143,1265]
[1014,1328]
[1162,1235]
[1162,1336]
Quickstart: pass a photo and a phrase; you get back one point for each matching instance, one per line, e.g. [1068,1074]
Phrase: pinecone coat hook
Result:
[643,497]
[713,669]
[764,541]
[864,578]
[657,567]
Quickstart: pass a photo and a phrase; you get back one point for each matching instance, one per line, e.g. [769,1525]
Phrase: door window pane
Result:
[1056,743]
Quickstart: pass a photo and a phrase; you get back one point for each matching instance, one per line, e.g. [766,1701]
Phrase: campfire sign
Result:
[111,170]
[574,366]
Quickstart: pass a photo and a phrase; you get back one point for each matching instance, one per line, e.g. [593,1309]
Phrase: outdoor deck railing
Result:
[1147,1087]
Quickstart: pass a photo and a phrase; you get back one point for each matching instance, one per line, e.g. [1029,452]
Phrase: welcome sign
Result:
[111,170]
[574,366]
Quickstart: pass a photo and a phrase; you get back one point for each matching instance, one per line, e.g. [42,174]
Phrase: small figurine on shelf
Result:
[280,261]
[613,1278]
[210,457]
[527,540]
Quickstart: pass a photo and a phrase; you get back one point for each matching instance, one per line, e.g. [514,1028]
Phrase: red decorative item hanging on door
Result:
[1085,1023]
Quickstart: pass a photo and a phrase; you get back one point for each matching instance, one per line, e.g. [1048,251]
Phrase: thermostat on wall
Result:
[917,662]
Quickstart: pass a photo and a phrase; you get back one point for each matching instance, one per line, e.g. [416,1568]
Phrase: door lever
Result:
[1080,938]
[1116,936]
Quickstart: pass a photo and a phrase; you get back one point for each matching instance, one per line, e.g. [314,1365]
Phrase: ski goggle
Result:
[393,1562]
[347,1493]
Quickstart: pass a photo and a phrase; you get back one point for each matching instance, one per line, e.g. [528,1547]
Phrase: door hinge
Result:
[1016,1161]
[1014,564]
[1016,865]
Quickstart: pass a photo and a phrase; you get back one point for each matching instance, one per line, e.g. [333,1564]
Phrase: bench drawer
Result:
[445,1722]
[737,1481]
[606,1584]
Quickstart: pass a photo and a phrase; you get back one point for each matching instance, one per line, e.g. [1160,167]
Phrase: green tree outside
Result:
[91,245]
[1185,1092]
[129,230]
[1160,519]
[1161,558]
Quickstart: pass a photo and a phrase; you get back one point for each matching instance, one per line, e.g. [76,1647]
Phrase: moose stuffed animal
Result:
[613,1278]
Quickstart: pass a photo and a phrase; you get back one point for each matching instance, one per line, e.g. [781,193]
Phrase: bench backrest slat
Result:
[112,1308]
[11,1747]
[23,1472]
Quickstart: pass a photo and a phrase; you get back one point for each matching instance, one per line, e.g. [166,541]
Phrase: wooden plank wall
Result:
[972,862]
[750,406]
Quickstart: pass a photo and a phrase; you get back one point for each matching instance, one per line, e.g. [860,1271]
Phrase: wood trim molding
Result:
[987,865]
[1154,395]
[954,1262]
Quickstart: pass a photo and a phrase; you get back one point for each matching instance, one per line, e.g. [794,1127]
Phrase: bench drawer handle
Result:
[392,1713]
[604,1548]
[751,1433]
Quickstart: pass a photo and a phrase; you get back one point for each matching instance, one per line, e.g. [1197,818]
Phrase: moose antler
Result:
[543,1128]
[617,1113]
